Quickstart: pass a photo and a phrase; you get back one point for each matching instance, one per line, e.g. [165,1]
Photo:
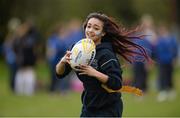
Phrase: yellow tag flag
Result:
[128,89]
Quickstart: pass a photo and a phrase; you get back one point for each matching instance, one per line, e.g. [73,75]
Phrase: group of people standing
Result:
[23,47]
[161,44]
[21,50]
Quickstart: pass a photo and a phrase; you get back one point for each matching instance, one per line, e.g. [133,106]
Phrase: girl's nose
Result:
[90,29]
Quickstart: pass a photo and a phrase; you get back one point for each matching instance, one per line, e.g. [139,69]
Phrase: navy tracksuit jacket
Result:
[96,101]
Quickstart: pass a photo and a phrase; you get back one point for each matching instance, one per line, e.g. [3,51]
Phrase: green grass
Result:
[45,104]
[40,105]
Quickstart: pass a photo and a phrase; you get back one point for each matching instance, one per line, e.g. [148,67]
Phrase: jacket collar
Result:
[104,45]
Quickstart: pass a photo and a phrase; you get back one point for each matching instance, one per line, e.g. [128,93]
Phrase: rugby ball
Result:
[83,52]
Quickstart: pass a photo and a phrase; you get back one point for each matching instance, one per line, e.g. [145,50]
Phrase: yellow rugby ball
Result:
[83,52]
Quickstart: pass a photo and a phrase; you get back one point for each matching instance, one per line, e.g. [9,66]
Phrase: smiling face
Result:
[94,30]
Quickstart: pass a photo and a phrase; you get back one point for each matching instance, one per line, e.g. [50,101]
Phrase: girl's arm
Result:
[90,71]
[61,66]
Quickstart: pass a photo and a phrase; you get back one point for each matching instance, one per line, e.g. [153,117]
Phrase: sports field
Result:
[44,104]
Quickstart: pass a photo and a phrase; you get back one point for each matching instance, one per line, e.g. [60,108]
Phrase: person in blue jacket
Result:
[165,53]
[110,39]
[140,66]
[56,49]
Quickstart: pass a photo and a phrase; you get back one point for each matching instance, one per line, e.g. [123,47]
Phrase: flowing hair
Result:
[120,38]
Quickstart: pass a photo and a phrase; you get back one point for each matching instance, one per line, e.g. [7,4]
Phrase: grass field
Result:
[44,104]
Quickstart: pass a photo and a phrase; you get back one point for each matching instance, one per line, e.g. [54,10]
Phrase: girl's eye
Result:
[96,28]
[88,26]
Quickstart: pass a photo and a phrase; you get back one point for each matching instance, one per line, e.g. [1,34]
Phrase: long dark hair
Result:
[120,37]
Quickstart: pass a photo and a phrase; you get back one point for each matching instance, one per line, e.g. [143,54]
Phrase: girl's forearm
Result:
[101,77]
[60,68]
